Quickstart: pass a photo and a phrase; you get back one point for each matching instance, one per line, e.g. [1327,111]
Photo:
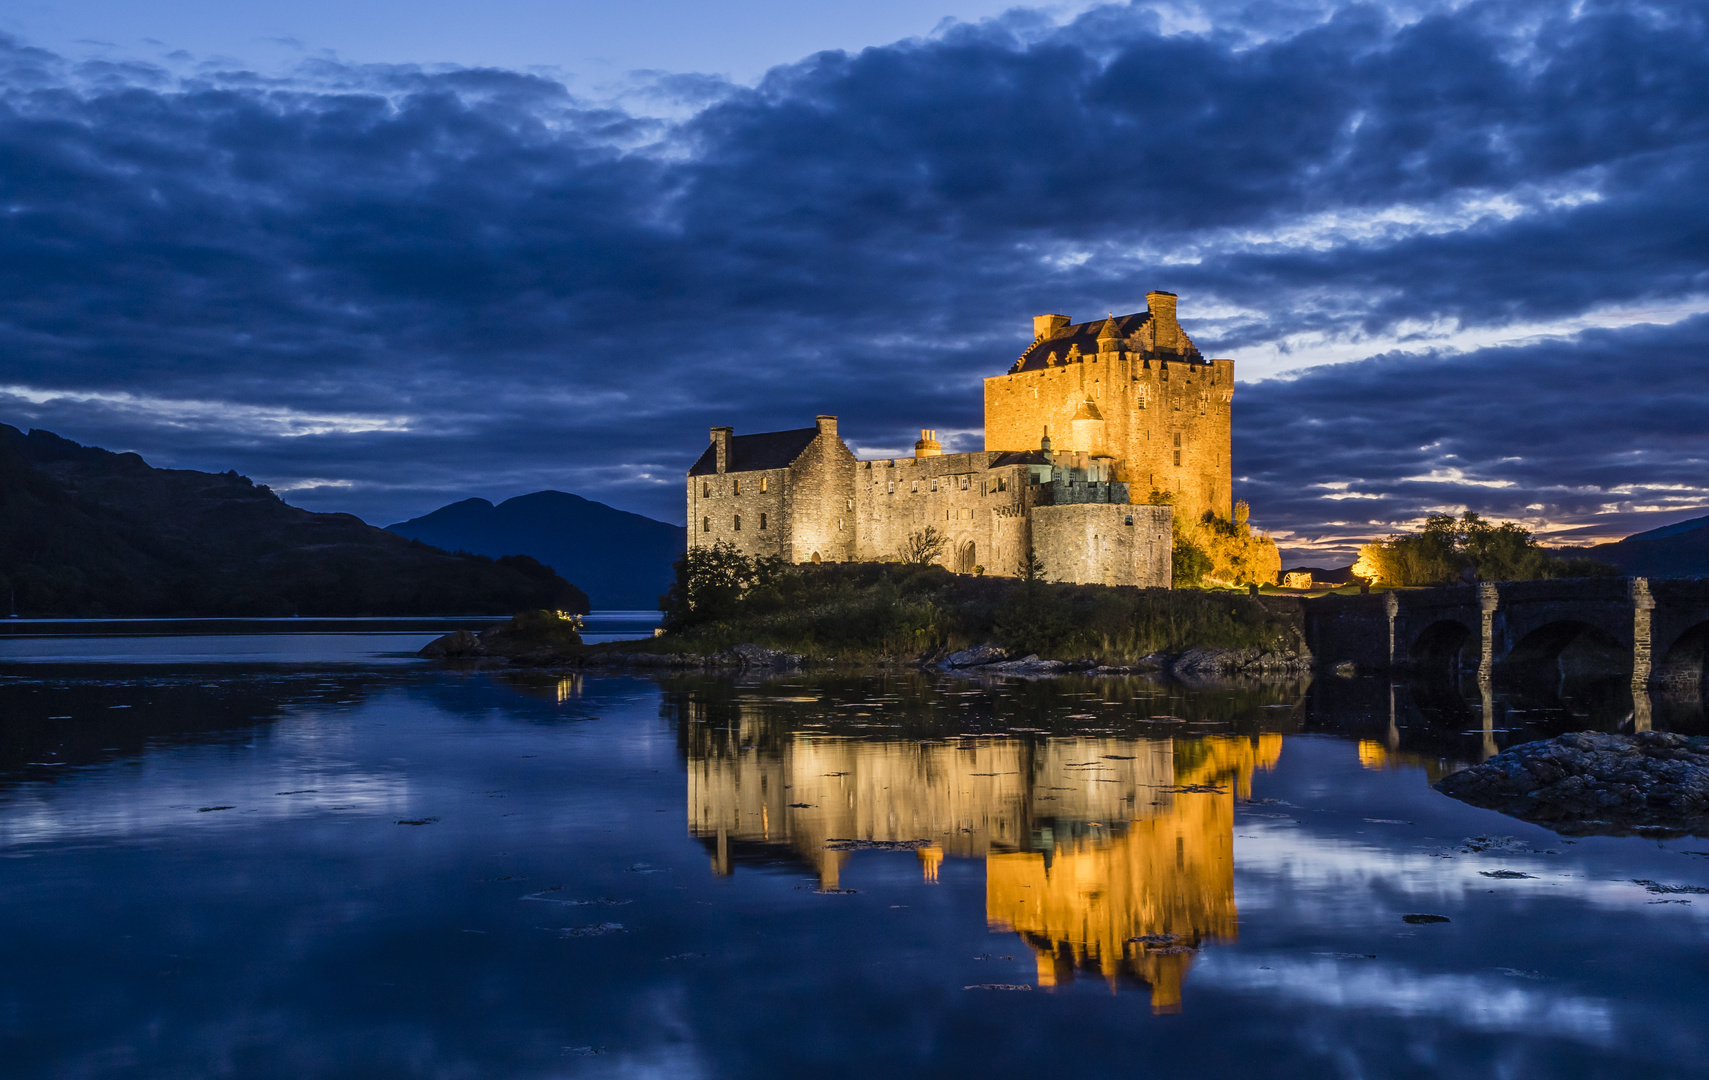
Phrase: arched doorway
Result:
[966,558]
[815,560]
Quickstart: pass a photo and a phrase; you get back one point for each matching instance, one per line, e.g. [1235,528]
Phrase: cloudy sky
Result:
[384,256]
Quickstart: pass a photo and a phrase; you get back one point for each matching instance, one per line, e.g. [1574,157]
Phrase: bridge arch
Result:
[1442,644]
[1572,644]
[1684,661]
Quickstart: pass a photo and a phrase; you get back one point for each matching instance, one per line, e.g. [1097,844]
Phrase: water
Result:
[365,642]
[370,869]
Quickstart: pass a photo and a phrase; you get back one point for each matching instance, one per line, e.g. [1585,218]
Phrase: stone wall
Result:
[1104,543]
[819,500]
[748,510]
[982,510]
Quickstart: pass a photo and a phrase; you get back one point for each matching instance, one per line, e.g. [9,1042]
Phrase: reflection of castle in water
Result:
[1088,843]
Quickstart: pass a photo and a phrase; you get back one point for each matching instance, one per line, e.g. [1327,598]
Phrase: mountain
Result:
[623,560]
[86,532]
[1677,550]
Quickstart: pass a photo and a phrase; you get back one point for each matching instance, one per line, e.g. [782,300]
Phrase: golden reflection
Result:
[569,688]
[1106,855]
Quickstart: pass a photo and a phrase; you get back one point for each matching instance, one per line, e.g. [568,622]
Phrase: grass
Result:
[877,611]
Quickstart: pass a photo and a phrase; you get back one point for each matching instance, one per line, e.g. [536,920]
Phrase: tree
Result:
[1188,565]
[924,547]
[1467,548]
[1234,553]
[1032,567]
[710,581]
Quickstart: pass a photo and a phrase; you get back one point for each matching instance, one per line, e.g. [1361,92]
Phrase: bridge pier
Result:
[1643,605]
[1489,598]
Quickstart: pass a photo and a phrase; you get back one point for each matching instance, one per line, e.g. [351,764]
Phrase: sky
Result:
[384,257]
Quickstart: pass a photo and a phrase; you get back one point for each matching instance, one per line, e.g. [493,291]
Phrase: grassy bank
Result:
[869,611]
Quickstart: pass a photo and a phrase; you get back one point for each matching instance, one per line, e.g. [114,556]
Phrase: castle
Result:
[1091,420]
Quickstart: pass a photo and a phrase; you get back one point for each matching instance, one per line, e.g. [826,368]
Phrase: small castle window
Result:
[848,504]
[738,523]
[892,490]
[1002,483]
[1130,519]
[706,490]
[765,486]
[839,524]
[1177,438]
[705,524]
[916,487]
[934,483]
[1177,457]
[966,482]
[762,523]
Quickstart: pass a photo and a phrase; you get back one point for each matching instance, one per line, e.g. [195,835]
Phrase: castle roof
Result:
[1019,457]
[1086,336]
[762,450]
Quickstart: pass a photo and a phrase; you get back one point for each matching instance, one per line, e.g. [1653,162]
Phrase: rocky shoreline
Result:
[491,648]
[1590,784]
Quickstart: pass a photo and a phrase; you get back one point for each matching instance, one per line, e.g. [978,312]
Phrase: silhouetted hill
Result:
[1677,550]
[87,532]
[623,560]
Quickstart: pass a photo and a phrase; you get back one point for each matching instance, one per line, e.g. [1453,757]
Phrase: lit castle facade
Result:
[1088,422]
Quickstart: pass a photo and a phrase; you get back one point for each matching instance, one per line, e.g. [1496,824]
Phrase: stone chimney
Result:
[1048,326]
[827,425]
[721,446]
[928,445]
[1166,332]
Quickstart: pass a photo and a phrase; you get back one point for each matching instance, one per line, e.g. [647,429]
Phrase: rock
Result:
[749,655]
[1213,663]
[1592,783]
[453,646]
[1419,920]
[1027,667]
[977,656]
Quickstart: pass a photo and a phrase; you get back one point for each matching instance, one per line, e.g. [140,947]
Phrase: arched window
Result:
[705,524]
[762,522]
[738,523]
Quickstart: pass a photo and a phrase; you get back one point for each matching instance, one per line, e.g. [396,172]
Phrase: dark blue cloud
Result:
[422,284]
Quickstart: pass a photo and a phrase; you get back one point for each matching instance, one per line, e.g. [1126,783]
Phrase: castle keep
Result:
[1091,419]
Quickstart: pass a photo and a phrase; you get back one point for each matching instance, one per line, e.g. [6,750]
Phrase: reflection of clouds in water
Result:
[1281,866]
[165,791]
[1490,1003]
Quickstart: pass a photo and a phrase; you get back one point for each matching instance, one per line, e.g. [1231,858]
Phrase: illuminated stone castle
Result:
[1091,420]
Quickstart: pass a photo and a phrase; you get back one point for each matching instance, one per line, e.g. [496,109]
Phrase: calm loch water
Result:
[270,868]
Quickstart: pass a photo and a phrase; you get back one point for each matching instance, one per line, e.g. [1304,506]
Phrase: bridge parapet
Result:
[1662,626]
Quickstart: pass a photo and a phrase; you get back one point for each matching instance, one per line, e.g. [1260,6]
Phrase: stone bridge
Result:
[1658,630]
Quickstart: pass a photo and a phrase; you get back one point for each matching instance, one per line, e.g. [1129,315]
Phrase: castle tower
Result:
[1132,387]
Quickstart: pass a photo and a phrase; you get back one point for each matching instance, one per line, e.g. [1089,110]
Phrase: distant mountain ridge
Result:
[622,560]
[1677,550]
[87,532]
